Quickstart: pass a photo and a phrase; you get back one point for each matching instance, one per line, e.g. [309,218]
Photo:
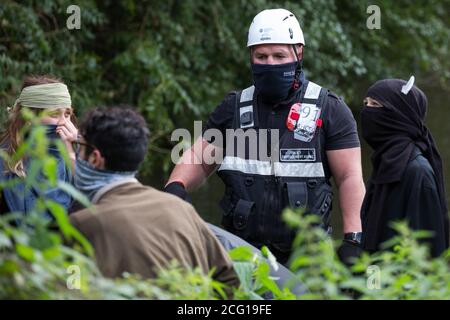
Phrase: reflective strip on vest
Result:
[312,91]
[279,169]
[246,109]
[246,166]
[247,94]
[299,169]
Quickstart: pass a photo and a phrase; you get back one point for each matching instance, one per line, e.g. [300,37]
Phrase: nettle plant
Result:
[403,270]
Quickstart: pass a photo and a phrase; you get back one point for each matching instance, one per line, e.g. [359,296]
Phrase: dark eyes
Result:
[277,56]
[56,114]
[53,114]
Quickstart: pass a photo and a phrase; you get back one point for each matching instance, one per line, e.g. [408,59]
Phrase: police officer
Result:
[316,138]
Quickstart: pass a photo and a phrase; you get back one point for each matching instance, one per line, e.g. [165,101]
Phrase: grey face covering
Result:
[89,180]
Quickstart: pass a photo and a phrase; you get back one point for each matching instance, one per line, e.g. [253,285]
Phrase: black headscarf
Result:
[393,131]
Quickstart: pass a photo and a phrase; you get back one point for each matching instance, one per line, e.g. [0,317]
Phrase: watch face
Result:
[354,236]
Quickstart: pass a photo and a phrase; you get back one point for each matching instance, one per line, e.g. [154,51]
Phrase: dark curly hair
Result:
[119,133]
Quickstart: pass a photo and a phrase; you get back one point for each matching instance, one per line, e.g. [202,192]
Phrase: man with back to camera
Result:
[135,228]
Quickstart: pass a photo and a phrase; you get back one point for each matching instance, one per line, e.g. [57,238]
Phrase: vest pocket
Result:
[293,194]
[297,193]
[323,206]
[237,214]
[241,214]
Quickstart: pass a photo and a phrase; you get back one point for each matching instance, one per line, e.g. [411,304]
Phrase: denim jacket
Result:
[20,198]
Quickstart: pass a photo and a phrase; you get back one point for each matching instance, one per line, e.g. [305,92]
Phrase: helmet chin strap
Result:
[298,70]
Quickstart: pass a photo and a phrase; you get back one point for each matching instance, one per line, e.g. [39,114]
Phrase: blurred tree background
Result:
[175,60]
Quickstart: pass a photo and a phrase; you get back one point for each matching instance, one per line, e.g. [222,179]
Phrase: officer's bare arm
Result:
[193,168]
[345,165]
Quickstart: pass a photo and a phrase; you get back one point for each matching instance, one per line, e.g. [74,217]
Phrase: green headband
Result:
[45,96]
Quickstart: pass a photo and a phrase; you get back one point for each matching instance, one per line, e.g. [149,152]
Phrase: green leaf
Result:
[74,193]
[5,241]
[66,227]
[263,276]
[61,217]
[63,152]
[50,168]
[270,257]
[241,253]
[51,253]
[8,267]
[25,252]
[244,270]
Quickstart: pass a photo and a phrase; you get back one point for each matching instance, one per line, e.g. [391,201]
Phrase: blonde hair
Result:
[10,139]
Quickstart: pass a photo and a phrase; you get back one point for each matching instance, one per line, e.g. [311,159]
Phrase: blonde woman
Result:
[49,98]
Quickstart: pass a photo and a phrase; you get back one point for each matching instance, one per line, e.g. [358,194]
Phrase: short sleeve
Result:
[222,117]
[339,125]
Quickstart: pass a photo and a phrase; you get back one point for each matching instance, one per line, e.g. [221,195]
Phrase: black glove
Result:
[177,189]
[349,251]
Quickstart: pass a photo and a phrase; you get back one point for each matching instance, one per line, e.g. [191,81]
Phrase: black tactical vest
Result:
[258,189]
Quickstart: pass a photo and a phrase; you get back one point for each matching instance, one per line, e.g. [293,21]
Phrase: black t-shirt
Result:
[339,125]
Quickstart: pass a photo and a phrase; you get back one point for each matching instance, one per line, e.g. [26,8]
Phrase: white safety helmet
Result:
[275,26]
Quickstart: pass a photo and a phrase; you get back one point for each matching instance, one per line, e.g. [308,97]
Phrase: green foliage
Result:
[254,274]
[31,269]
[314,260]
[406,269]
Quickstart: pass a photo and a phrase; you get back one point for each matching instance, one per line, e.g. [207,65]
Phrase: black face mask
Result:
[50,131]
[274,82]
[372,128]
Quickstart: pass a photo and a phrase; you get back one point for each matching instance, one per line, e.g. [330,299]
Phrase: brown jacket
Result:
[138,229]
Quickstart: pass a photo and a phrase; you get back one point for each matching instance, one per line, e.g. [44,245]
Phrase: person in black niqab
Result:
[407,181]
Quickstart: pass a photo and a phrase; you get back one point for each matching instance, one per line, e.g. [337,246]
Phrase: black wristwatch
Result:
[353,237]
